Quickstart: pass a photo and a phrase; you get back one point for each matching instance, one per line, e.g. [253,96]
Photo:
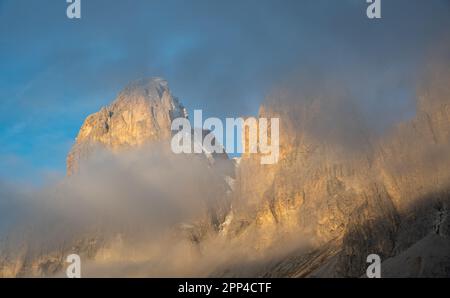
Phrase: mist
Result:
[144,212]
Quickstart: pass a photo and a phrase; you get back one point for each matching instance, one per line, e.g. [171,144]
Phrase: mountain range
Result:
[338,193]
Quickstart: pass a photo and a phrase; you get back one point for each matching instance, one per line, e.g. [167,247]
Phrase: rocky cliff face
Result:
[141,113]
[352,193]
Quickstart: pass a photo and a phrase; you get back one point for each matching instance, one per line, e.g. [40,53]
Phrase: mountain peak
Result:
[142,112]
[153,87]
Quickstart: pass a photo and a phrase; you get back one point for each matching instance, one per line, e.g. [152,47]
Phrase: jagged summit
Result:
[155,90]
[147,84]
[142,112]
[152,88]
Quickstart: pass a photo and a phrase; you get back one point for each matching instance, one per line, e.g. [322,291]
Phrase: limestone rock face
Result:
[353,193]
[142,112]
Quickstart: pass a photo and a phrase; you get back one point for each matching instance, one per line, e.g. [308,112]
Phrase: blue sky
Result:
[220,56]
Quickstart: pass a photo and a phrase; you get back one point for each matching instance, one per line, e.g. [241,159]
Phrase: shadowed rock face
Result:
[142,112]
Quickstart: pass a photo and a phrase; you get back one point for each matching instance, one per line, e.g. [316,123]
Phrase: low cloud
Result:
[144,212]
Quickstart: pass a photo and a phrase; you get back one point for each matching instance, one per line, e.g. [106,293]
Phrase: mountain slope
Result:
[338,185]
